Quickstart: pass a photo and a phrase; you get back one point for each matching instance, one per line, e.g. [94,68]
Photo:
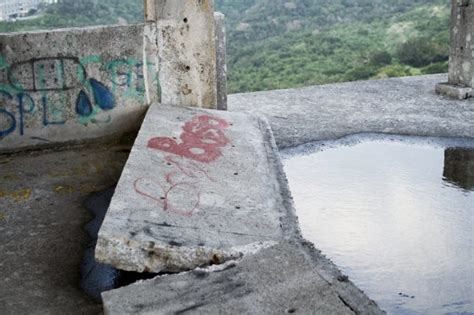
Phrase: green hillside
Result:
[291,43]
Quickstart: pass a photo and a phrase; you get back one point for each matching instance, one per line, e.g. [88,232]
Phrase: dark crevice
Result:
[96,277]
[347,304]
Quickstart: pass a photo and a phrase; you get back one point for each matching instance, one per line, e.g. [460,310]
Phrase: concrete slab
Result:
[405,106]
[282,279]
[42,240]
[200,187]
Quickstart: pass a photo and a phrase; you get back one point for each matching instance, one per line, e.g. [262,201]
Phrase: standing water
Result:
[396,214]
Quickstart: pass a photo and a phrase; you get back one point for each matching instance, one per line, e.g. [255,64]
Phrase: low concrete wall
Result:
[75,84]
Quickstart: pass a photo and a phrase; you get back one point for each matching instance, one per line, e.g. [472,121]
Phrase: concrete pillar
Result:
[186,51]
[460,83]
[221,61]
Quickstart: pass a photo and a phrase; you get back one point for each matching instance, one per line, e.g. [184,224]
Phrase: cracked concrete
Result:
[183,199]
[277,280]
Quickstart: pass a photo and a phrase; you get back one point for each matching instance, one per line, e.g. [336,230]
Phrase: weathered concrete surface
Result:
[42,217]
[460,92]
[279,280]
[461,67]
[187,54]
[221,64]
[405,106]
[180,206]
[75,84]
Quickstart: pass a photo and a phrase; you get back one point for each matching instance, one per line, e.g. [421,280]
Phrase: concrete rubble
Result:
[200,188]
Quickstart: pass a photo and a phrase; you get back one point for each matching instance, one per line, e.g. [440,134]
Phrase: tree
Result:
[417,52]
[380,58]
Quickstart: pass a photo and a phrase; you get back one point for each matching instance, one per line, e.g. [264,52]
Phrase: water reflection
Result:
[396,215]
[459,167]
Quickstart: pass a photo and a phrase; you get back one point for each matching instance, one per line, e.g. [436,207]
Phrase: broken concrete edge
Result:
[155,257]
[339,287]
[289,223]
[348,292]
[454,91]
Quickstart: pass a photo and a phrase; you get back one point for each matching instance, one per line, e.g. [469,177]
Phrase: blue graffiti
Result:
[46,121]
[22,99]
[11,128]
[102,96]
[83,105]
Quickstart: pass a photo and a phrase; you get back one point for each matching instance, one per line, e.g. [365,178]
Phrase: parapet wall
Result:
[75,84]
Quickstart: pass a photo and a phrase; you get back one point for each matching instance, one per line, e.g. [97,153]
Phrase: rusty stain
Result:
[2,216]
[17,195]
[186,90]
[63,190]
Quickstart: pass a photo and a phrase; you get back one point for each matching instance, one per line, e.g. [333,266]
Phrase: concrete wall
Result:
[80,84]
[75,84]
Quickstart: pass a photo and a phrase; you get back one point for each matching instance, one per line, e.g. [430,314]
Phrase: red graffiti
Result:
[142,185]
[201,140]
[185,177]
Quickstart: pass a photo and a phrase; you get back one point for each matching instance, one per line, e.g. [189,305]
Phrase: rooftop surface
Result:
[42,192]
[406,106]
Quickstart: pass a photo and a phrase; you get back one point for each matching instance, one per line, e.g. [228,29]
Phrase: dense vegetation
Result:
[289,43]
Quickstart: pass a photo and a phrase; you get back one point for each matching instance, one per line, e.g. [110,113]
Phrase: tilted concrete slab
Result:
[283,279]
[200,187]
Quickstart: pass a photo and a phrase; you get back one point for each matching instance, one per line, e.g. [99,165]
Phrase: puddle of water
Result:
[396,214]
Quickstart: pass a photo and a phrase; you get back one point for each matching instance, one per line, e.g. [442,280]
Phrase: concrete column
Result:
[460,83]
[186,51]
[221,61]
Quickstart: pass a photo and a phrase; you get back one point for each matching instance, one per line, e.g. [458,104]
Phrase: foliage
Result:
[291,43]
[420,52]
